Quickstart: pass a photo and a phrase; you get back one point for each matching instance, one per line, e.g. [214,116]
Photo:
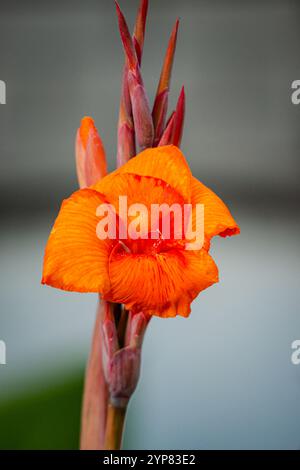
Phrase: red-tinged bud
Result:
[126,136]
[142,118]
[126,39]
[161,100]
[110,338]
[167,137]
[139,29]
[122,365]
[141,112]
[174,128]
[125,108]
[124,372]
[136,327]
[159,113]
[165,77]
[90,154]
[126,144]
[179,119]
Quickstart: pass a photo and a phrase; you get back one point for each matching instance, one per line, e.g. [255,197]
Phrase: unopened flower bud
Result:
[143,123]
[122,365]
[90,154]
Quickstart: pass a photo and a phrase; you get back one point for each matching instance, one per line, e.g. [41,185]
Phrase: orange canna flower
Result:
[138,269]
[157,276]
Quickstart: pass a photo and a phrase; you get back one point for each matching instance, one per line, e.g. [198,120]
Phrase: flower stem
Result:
[95,397]
[114,427]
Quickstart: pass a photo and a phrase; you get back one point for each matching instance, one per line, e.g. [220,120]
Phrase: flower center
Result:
[147,246]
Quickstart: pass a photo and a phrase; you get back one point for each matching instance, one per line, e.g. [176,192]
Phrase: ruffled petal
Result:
[75,258]
[163,284]
[166,163]
[217,218]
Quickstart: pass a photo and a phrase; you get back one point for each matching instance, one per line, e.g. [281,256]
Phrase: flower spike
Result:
[135,277]
[161,100]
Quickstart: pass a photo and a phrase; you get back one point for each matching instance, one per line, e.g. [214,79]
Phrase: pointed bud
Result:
[141,112]
[174,128]
[90,154]
[179,119]
[140,105]
[136,328]
[126,39]
[139,29]
[167,137]
[161,100]
[126,136]
[159,114]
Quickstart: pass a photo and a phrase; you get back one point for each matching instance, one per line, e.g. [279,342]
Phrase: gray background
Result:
[223,378]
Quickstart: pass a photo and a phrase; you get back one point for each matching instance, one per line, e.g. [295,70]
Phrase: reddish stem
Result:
[95,397]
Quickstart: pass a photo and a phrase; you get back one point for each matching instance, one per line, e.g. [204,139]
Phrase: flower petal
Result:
[166,163]
[163,284]
[217,218]
[75,259]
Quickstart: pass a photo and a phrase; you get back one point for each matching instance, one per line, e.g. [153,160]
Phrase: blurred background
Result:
[222,379]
